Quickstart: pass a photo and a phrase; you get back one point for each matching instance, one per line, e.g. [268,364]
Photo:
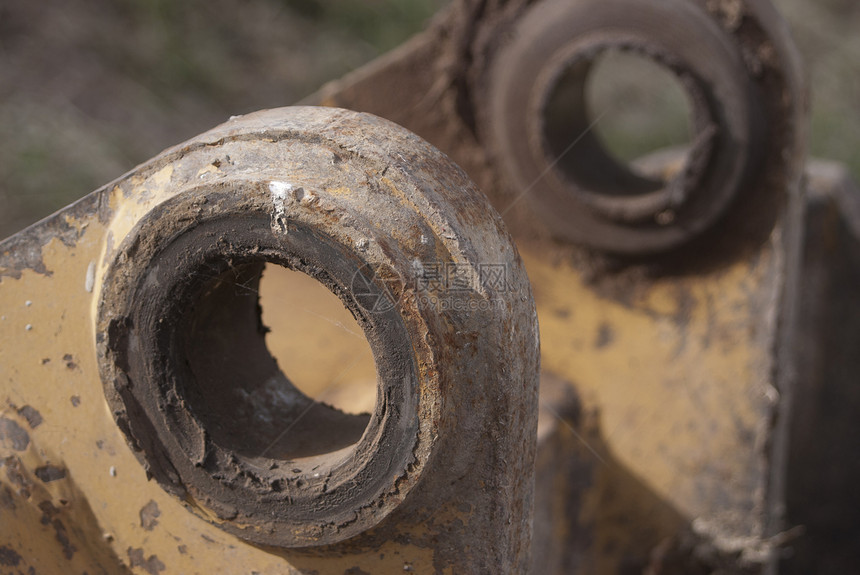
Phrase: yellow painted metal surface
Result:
[676,377]
[78,434]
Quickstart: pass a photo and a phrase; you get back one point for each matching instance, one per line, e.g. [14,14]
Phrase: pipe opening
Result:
[316,340]
[642,106]
[607,114]
[237,388]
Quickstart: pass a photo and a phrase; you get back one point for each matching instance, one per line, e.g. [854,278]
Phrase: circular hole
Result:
[606,114]
[643,108]
[192,383]
[237,390]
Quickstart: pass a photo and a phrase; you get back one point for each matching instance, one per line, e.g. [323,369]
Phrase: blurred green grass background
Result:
[89,89]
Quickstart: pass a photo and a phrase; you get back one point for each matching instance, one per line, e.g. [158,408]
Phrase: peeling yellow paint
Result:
[678,374]
[208,170]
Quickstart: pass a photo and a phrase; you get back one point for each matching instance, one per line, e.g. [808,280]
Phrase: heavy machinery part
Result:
[539,123]
[666,421]
[454,86]
[683,361]
[158,273]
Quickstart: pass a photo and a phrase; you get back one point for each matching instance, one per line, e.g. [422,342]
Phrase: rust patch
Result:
[6,500]
[149,514]
[70,361]
[16,477]
[49,517]
[9,557]
[605,336]
[76,400]
[13,435]
[561,313]
[48,473]
[33,417]
[152,565]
